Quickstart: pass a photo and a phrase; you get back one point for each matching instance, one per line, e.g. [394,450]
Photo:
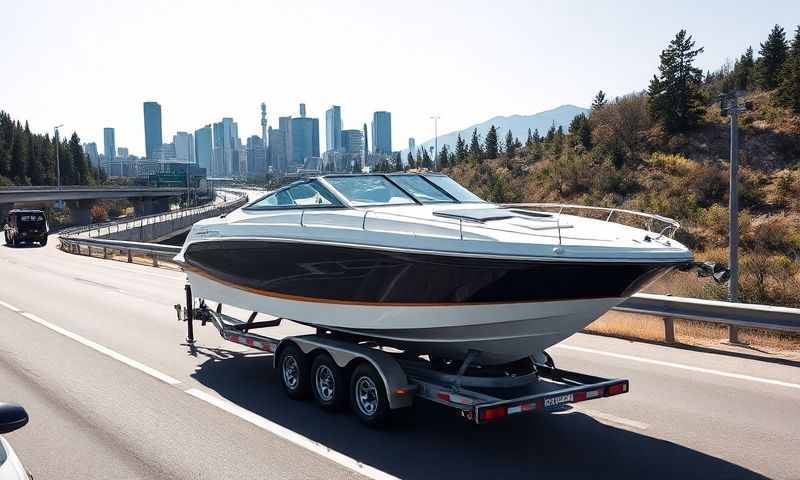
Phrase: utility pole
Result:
[729,106]
[435,119]
[58,162]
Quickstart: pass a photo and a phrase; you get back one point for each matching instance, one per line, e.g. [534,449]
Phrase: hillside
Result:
[518,124]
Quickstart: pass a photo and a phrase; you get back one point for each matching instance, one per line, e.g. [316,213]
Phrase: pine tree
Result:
[442,159]
[599,101]
[491,143]
[743,73]
[410,160]
[461,149]
[773,54]
[475,149]
[536,137]
[674,94]
[551,133]
[426,160]
[529,140]
[788,93]
[398,162]
[80,166]
[581,130]
[510,147]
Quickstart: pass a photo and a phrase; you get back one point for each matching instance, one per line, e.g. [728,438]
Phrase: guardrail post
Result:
[130,256]
[669,330]
[105,253]
[733,334]
[155,259]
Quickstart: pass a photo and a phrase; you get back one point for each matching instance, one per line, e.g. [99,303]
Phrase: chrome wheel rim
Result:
[326,384]
[367,396]
[290,372]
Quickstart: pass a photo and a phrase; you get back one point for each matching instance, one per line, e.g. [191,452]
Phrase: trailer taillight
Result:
[492,413]
[616,389]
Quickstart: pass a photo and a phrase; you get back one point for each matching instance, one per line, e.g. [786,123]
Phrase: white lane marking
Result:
[10,307]
[681,366]
[104,350]
[290,436]
[608,418]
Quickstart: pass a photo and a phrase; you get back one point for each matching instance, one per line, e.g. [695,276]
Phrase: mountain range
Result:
[518,124]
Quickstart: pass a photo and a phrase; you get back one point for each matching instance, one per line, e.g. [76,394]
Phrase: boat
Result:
[417,262]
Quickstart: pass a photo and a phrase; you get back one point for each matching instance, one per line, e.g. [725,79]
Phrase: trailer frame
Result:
[478,399]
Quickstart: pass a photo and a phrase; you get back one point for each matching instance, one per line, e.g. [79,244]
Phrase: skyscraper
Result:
[152,128]
[277,150]
[264,138]
[227,147]
[305,140]
[352,142]
[256,156]
[184,147]
[285,126]
[333,128]
[203,147]
[382,133]
[90,149]
[109,145]
[302,109]
[412,146]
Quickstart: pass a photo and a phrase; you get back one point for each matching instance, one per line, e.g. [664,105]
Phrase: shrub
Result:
[98,214]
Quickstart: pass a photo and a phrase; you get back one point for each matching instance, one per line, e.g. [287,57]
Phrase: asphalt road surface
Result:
[93,350]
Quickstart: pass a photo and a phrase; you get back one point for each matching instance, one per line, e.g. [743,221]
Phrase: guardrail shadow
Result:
[436,442]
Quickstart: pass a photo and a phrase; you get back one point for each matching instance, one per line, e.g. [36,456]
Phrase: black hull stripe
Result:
[343,275]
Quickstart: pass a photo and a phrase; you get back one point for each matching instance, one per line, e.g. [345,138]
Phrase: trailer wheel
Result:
[294,372]
[328,383]
[43,241]
[368,396]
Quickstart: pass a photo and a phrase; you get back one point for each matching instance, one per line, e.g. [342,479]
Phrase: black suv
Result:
[25,226]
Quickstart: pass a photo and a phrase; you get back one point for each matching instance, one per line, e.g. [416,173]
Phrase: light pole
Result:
[435,119]
[58,162]
[729,106]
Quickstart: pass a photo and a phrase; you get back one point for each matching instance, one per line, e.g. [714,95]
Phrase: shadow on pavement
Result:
[435,441]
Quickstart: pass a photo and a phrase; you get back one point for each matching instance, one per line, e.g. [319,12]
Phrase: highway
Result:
[93,351]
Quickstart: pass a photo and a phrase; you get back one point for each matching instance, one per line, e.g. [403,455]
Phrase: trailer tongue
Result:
[338,369]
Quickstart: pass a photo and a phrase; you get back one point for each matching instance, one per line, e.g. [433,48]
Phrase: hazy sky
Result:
[90,65]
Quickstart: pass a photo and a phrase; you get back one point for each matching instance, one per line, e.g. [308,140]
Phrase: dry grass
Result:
[691,332]
[137,259]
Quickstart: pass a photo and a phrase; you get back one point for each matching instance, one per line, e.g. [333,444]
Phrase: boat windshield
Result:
[362,190]
[307,194]
[421,189]
[453,188]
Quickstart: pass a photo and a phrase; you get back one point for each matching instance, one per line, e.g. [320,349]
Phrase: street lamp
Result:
[58,162]
[435,119]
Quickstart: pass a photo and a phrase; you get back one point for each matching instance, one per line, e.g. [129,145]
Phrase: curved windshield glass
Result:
[421,189]
[310,194]
[362,190]
[453,188]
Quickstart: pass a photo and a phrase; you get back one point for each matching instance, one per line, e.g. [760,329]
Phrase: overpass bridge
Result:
[146,200]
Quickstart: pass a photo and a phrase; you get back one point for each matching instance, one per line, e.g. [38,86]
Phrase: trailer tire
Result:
[328,383]
[293,370]
[368,396]
[43,241]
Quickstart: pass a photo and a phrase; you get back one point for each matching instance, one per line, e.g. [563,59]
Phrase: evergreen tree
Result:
[529,140]
[19,154]
[65,160]
[491,143]
[410,160]
[398,162]
[789,88]
[80,162]
[442,160]
[773,54]
[674,94]
[743,72]
[551,133]
[426,160]
[461,149]
[511,147]
[536,137]
[599,101]
[581,130]
[475,149]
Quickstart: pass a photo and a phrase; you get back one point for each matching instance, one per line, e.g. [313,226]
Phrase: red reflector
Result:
[616,389]
[492,413]
[579,397]
[443,396]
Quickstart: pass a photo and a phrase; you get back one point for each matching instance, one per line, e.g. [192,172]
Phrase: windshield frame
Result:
[253,206]
[414,200]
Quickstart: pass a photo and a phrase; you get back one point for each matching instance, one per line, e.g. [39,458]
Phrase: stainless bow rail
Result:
[668,229]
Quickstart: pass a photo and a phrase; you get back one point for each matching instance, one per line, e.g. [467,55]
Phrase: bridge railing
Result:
[82,239]
[132,188]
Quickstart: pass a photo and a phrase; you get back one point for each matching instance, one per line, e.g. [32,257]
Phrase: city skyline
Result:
[511,69]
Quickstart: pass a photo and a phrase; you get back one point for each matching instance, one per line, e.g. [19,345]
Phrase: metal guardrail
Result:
[734,315]
[76,239]
[133,188]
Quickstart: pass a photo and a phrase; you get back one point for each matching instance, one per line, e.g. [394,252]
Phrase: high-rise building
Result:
[302,109]
[227,147]
[109,145]
[305,140]
[90,149]
[256,156]
[333,128]
[264,138]
[412,146]
[152,128]
[203,147]
[352,141]
[122,153]
[184,147]
[382,133]
[285,126]
[277,151]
